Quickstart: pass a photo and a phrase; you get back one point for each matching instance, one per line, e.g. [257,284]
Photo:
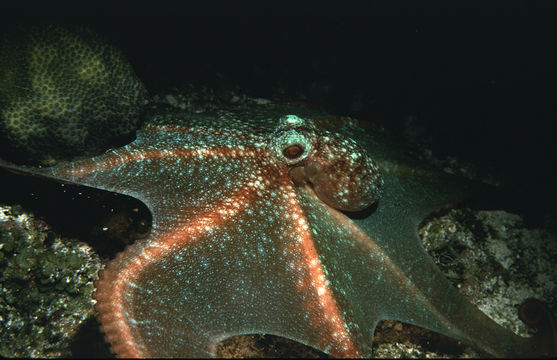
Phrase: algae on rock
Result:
[46,287]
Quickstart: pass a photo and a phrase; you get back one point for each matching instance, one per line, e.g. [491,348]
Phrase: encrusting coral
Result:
[64,92]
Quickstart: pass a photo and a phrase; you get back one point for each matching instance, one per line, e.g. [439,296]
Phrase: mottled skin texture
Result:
[248,237]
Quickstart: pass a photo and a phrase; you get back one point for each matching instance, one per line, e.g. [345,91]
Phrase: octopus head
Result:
[340,172]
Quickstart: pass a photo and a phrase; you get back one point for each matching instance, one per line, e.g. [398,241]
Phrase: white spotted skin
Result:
[215,185]
[247,238]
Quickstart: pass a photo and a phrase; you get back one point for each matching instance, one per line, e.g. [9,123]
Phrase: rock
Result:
[46,287]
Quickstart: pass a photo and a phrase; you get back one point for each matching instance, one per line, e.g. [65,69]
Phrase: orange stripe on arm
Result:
[122,272]
[122,156]
[343,345]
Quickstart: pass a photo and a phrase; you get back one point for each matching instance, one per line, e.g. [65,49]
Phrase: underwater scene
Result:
[299,180]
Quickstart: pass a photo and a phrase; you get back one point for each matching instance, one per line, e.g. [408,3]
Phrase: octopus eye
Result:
[291,146]
[293,151]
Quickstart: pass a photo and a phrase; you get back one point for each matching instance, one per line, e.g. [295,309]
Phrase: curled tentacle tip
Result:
[532,312]
[536,315]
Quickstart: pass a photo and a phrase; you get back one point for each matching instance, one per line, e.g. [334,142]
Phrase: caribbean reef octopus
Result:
[280,220]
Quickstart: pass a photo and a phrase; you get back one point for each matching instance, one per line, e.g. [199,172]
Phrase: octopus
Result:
[280,220]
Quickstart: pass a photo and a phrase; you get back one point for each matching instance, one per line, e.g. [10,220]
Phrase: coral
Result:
[64,92]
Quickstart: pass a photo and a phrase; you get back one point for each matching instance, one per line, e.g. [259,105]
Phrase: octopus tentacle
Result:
[536,315]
